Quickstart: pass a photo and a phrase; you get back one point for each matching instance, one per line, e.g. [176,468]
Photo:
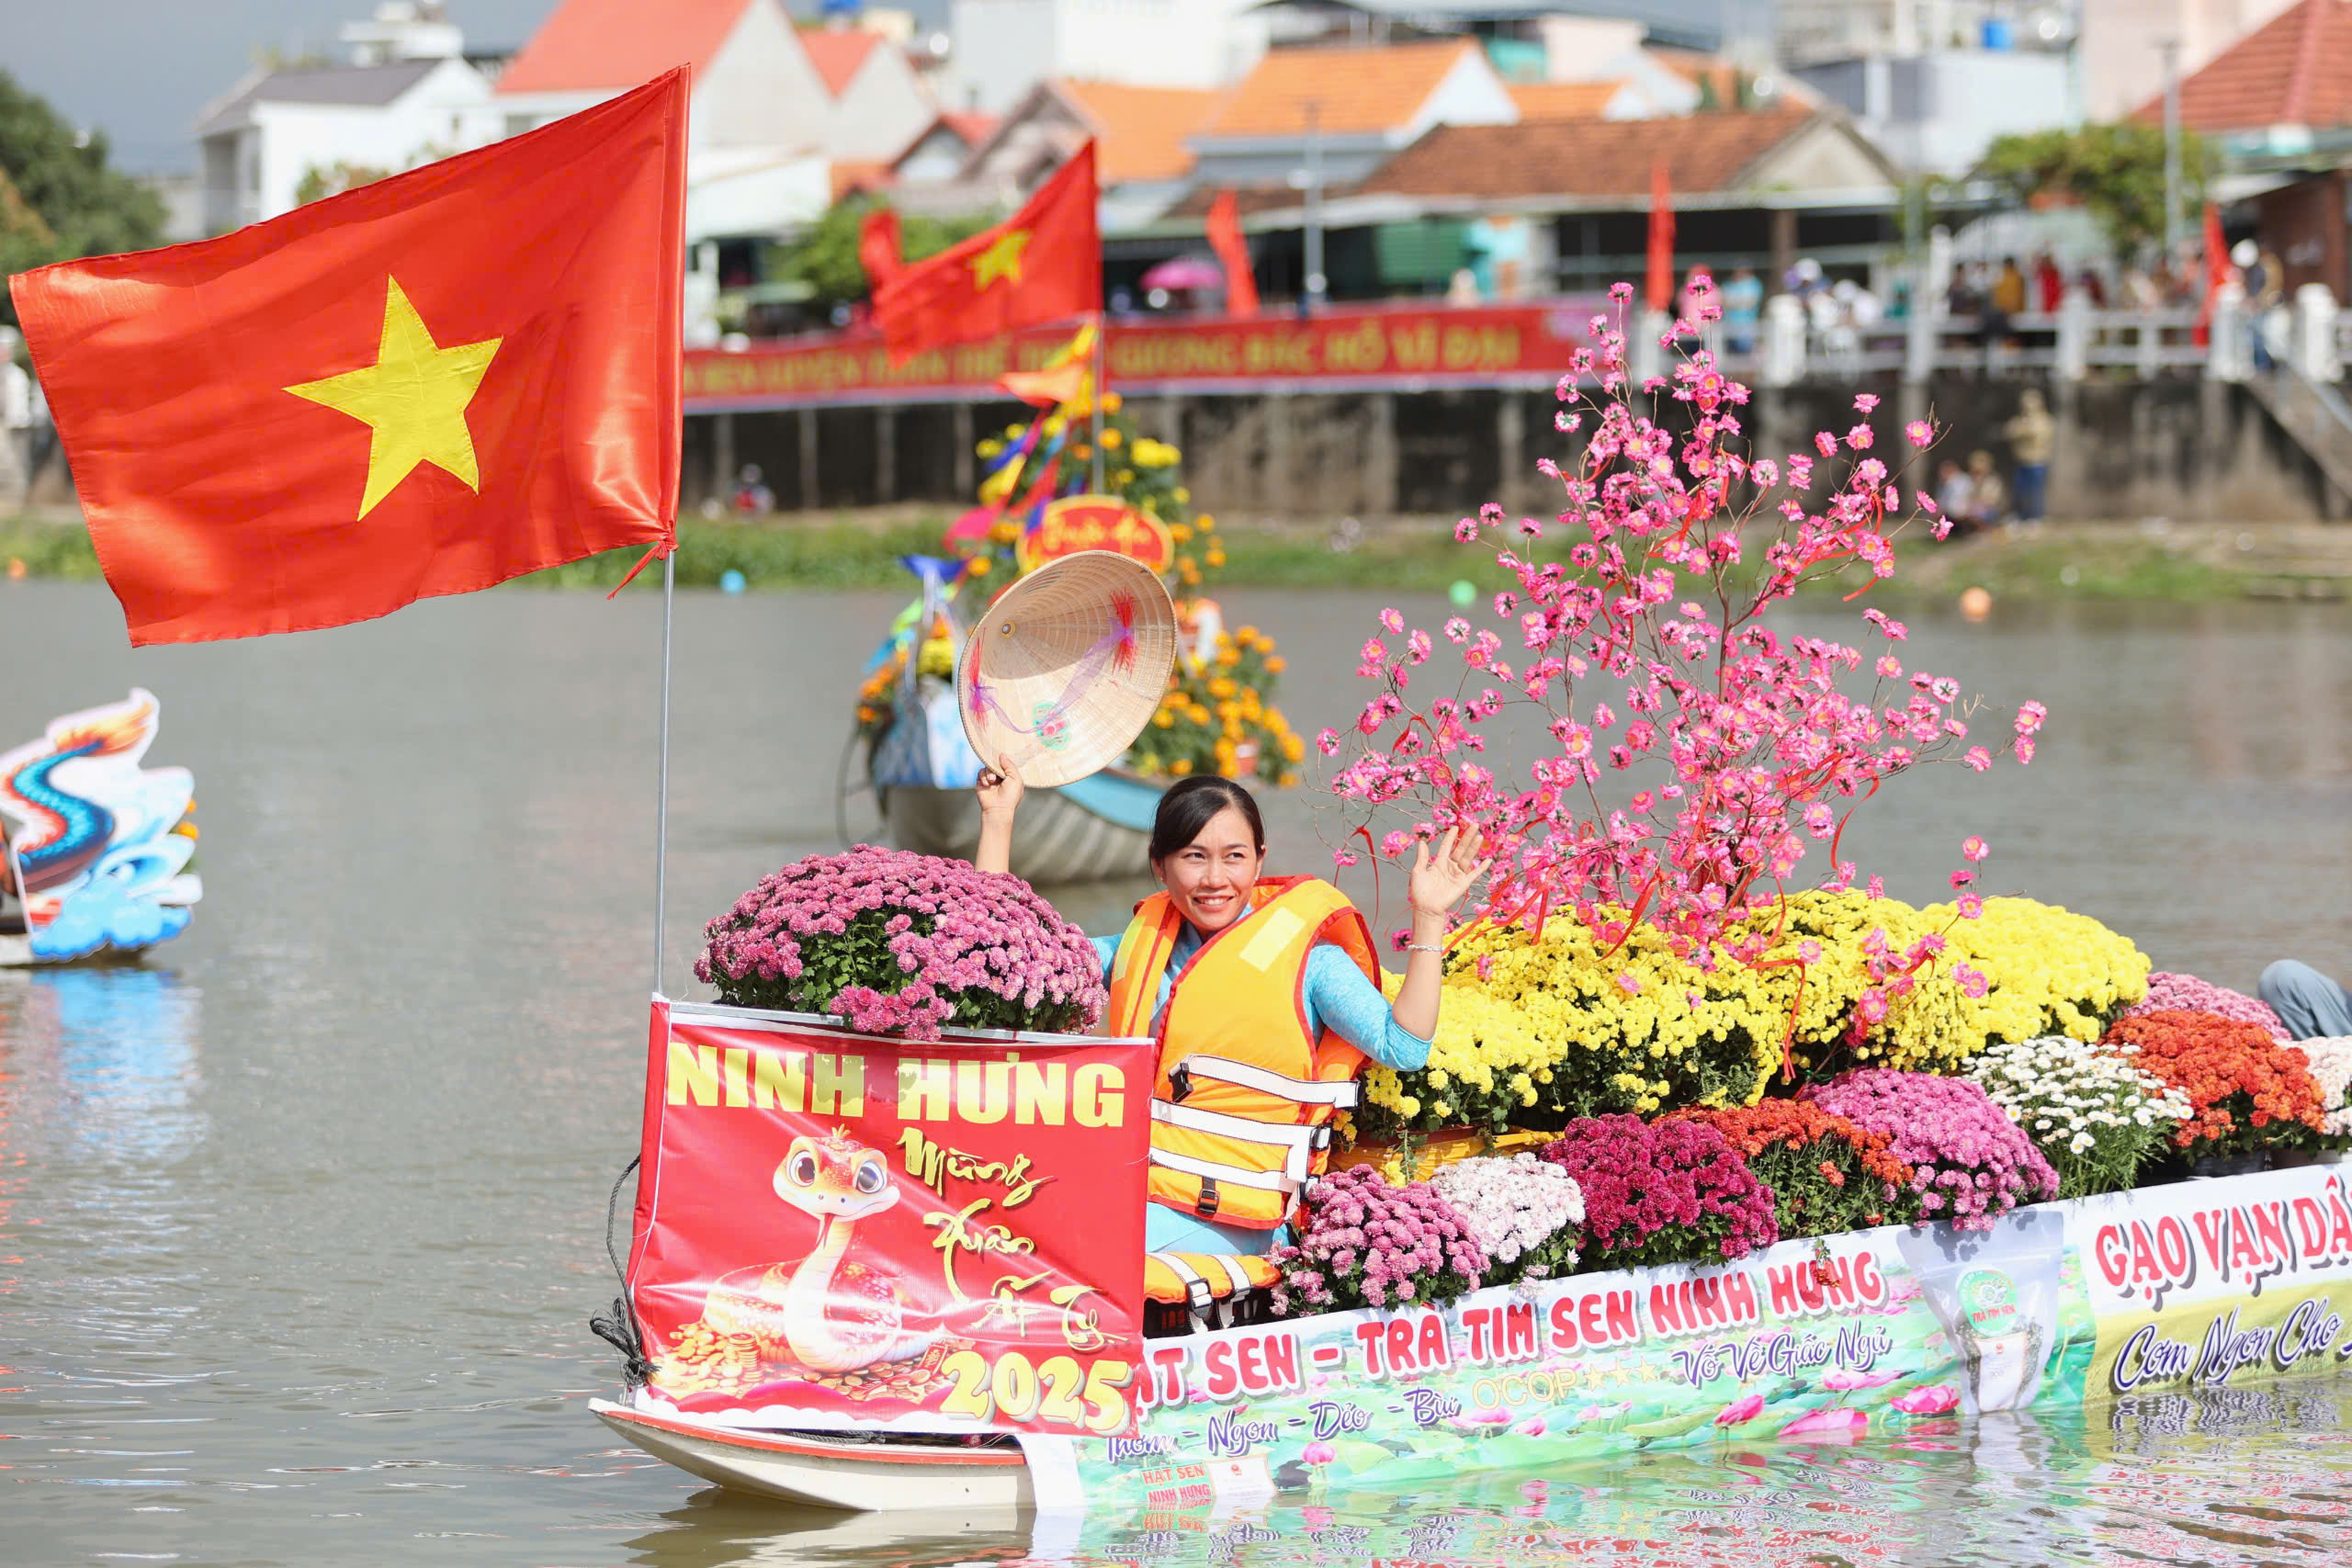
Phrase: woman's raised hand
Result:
[1000,790]
[1439,881]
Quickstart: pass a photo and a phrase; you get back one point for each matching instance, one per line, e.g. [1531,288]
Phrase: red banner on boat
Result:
[837,1230]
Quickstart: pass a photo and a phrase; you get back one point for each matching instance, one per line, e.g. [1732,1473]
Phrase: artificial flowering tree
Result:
[1697,753]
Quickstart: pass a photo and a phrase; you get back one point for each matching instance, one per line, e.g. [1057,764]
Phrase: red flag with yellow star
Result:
[424,386]
[1045,264]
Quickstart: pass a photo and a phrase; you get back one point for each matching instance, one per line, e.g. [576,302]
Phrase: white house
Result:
[758,128]
[1004,47]
[879,104]
[277,127]
[753,85]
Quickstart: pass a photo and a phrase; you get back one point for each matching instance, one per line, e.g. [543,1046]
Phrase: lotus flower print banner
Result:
[837,1229]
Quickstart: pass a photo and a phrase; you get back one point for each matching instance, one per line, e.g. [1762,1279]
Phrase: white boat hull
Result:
[828,1472]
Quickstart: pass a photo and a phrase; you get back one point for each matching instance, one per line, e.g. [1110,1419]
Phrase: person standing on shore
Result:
[2033,439]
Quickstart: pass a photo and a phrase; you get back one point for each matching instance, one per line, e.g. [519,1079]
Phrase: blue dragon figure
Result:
[97,846]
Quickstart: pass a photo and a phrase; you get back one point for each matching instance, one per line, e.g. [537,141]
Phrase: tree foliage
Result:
[825,257]
[58,199]
[2115,171]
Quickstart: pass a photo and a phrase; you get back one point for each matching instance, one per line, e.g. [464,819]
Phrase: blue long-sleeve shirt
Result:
[1339,999]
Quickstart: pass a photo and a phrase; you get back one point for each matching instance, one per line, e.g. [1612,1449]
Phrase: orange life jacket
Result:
[1242,1107]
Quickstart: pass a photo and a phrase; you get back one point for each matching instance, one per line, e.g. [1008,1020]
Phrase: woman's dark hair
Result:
[1186,809]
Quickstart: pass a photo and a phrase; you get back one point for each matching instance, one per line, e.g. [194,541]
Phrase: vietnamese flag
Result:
[1045,264]
[424,386]
[1233,254]
[1658,286]
[877,247]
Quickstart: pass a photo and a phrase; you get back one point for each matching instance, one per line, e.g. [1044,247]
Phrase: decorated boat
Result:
[1035,1388]
[1701,1152]
[94,862]
[910,769]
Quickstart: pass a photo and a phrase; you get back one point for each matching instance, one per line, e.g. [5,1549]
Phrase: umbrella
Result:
[1185,271]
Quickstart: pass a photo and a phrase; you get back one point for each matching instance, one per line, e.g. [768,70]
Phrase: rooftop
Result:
[838,53]
[1563,100]
[1139,132]
[1704,153]
[363,87]
[2295,68]
[610,45]
[1351,91]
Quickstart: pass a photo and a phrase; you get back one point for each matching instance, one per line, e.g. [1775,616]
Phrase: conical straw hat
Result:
[1063,673]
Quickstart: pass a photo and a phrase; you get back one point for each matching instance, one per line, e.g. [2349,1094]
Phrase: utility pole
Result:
[2171,48]
[1315,280]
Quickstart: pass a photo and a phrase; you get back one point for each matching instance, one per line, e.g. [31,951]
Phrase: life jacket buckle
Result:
[1321,1141]
[1205,1204]
[1179,1082]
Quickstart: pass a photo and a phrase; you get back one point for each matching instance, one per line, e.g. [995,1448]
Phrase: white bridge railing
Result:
[2072,342]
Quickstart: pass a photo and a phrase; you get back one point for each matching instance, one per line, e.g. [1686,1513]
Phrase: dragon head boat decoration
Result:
[97,846]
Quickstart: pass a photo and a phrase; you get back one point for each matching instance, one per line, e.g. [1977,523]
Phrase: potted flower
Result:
[1522,1211]
[2247,1092]
[2095,1115]
[2329,1059]
[1367,1244]
[1662,1192]
[1825,1174]
[900,943]
[2168,992]
[1970,1162]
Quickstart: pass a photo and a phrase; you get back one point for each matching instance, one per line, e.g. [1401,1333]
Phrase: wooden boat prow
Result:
[826,1470]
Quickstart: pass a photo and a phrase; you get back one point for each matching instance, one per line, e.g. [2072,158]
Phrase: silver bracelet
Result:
[1424,947]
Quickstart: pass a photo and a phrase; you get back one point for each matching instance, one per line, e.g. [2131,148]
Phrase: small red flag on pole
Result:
[424,386]
[1658,292]
[2217,273]
[877,247]
[1233,254]
[1045,264]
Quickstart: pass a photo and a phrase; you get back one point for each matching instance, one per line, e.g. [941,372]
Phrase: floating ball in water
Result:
[1975,604]
[730,582]
[1462,593]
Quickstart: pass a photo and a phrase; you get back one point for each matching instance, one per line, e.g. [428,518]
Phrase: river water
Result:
[300,1219]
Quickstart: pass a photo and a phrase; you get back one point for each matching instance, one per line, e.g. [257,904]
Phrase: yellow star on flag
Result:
[413,399]
[1001,259]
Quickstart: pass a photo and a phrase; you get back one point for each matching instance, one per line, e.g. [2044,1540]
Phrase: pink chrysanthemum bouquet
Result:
[1970,1162]
[1367,1244]
[900,943]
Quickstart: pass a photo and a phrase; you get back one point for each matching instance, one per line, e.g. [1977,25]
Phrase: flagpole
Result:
[662,790]
[1102,331]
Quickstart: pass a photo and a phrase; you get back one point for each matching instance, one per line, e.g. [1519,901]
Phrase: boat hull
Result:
[827,1473]
[1898,1332]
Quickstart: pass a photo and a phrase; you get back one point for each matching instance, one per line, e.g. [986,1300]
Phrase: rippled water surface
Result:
[300,1219]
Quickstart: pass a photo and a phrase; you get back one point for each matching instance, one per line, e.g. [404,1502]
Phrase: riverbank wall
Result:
[2181,448]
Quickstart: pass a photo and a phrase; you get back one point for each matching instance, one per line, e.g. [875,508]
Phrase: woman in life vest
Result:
[1264,995]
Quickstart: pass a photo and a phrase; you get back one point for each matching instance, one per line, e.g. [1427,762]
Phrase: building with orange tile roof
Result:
[1139,134]
[2294,69]
[1351,108]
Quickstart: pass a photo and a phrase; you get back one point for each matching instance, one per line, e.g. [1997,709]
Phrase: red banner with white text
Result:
[1362,349]
[842,1230]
